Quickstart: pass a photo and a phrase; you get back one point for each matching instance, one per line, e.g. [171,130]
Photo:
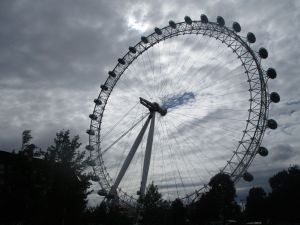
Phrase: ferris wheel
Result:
[186,102]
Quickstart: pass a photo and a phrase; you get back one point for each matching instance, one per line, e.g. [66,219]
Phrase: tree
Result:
[68,185]
[223,186]
[285,195]
[54,184]
[28,149]
[151,206]
[256,205]
[152,198]
[45,187]
[218,203]
[65,151]
[118,214]
[26,138]
[178,212]
[100,213]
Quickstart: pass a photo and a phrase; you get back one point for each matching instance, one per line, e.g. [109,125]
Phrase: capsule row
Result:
[263,53]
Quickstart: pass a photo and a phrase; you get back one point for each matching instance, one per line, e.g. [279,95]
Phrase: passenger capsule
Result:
[271,73]
[111,73]
[263,53]
[144,39]
[97,101]
[158,31]
[188,20]
[220,21]
[204,18]
[104,87]
[263,151]
[90,132]
[248,177]
[89,148]
[272,124]
[132,50]
[102,192]
[251,37]
[275,97]
[236,27]
[121,61]
[172,24]
[93,116]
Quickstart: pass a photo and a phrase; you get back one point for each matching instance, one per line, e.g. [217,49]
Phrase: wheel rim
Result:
[257,114]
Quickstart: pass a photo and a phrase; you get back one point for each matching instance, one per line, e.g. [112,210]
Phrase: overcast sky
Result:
[55,54]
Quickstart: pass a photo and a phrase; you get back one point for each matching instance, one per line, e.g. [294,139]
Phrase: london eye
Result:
[186,102]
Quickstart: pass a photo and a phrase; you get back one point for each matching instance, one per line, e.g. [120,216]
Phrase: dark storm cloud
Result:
[174,186]
[52,54]
[283,152]
[293,102]
[58,44]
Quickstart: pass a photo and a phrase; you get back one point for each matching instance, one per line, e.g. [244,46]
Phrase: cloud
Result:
[283,152]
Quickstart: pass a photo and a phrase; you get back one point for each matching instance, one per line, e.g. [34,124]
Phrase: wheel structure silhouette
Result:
[186,102]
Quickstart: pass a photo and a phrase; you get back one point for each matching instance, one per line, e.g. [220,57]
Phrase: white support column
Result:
[129,157]
[147,155]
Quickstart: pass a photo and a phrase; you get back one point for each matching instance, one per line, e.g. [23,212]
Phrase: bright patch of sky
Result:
[137,18]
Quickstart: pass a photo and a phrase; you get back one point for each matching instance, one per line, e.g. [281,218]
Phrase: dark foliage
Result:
[65,151]
[152,210]
[218,203]
[178,212]
[284,200]
[50,189]
[118,215]
[97,215]
[67,197]
[28,149]
[256,205]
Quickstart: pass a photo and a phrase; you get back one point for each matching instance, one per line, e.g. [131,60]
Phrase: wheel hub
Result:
[153,106]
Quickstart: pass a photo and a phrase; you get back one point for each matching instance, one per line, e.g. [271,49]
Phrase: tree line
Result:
[51,187]
[216,206]
[45,186]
